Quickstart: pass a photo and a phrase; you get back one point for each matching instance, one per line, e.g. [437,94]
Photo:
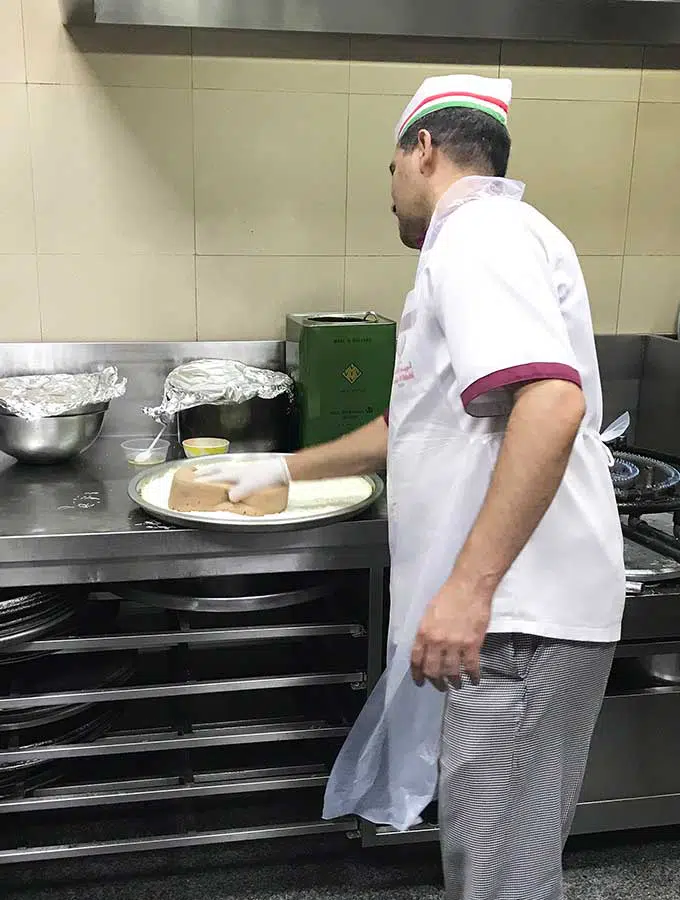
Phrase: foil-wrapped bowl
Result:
[34,397]
[53,418]
[216,381]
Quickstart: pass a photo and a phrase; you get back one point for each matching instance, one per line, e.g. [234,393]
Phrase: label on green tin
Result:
[352,373]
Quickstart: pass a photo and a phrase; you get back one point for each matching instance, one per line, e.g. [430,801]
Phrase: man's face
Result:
[409,192]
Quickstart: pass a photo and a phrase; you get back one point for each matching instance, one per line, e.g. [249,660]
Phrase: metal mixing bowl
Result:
[53,439]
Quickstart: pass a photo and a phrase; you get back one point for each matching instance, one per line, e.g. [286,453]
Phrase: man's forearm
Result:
[359,453]
[530,467]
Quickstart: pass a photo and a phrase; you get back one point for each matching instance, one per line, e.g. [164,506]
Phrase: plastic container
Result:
[194,447]
[135,451]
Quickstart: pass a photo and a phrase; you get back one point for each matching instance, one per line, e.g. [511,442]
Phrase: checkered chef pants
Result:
[514,751]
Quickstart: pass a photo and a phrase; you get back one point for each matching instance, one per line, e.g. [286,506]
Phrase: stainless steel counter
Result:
[75,524]
[216,707]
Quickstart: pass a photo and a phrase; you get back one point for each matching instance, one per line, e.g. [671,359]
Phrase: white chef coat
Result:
[499,301]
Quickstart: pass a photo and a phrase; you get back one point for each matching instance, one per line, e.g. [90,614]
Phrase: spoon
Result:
[145,455]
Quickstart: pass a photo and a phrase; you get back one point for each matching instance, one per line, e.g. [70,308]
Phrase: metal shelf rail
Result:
[170,775]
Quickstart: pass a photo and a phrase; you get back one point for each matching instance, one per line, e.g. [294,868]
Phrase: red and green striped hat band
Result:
[493,106]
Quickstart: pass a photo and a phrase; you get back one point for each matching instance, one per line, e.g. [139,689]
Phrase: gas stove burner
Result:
[655,478]
[623,473]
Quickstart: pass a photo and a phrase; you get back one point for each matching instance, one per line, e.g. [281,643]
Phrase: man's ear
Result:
[425,151]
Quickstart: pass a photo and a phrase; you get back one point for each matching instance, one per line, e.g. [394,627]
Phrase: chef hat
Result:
[489,95]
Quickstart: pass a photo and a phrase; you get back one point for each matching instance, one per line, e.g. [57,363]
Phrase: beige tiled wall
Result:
[172,185]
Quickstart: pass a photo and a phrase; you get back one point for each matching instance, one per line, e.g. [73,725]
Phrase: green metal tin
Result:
[342,366]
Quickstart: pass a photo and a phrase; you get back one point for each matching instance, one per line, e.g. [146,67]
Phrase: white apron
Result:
[387,770]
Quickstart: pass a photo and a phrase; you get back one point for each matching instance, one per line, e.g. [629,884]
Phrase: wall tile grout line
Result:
[193,180]
[630,192]
[34,208]
[344,267]
[23,39]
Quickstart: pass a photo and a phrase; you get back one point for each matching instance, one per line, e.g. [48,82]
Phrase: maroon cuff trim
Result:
[517,375]
[386,416]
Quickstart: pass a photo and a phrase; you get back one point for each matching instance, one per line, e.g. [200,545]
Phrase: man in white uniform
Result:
[508,581]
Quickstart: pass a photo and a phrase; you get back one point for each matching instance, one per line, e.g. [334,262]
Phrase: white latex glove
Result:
[247,478]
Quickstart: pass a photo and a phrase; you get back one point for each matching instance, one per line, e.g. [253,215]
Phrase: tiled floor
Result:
[630,868]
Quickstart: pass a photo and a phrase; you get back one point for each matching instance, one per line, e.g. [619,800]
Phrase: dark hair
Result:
[472,139]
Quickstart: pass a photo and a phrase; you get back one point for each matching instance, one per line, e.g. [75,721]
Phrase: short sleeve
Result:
[496,304]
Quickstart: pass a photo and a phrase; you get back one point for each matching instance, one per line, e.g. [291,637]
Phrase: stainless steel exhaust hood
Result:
[615,21]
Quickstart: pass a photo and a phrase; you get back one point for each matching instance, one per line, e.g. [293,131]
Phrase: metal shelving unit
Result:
[222,714]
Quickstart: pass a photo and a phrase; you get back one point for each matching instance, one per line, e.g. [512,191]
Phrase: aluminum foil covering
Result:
[215,381]
[40,396]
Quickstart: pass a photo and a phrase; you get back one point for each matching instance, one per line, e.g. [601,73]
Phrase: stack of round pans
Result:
[26,616]
[60,674]
[28,774]
[46,725]
[89,618]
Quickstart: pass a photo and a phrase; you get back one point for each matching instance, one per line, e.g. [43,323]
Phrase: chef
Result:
[507,580]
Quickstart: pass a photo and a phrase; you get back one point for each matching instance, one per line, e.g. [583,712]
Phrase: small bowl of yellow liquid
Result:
[194,447]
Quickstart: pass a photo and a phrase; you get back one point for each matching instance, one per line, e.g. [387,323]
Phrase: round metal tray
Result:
[27,616]
[56,674]
[28,774]
[34,627]
[89,725]
[22,782]
[15,605]
[232,594]
[243,524]
[82,620]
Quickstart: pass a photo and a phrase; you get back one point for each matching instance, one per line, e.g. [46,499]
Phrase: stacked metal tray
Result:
[230,594]
[27,617]
[25,775]
[26,728]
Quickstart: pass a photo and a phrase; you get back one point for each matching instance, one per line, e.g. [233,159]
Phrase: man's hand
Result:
[450,636]
[247,478]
